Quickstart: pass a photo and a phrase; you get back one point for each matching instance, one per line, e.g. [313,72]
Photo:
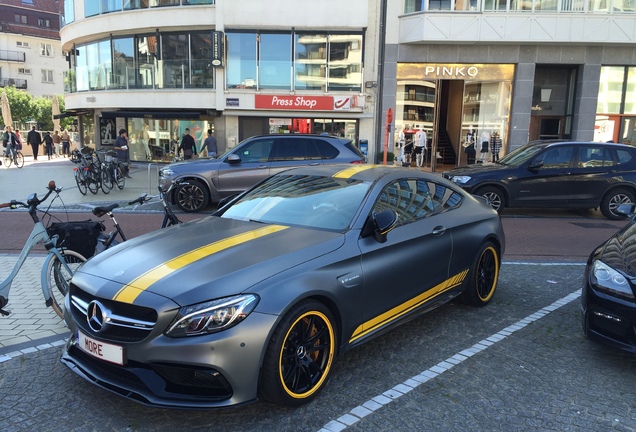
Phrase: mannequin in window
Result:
[484,139]
[495,146]
[469,146]
[420,146]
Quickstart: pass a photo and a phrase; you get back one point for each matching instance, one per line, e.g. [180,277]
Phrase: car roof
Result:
[296,135]
[555,143]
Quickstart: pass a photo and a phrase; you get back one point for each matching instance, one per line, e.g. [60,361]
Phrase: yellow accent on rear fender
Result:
[131,291]
[350,172]
[408,306]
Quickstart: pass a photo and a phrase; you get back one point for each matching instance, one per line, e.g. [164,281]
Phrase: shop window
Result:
[241,60]
[275,61]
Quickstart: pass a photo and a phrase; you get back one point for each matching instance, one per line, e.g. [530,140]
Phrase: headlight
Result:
[212,316]
[460,179]
[606,279]
[166,173]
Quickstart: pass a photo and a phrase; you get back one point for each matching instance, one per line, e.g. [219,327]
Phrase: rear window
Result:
[354,149]
[327,151]
[623,156]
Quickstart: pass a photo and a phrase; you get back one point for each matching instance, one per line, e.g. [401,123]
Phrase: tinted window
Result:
[595,156]
[288,149]
[623,156]
[256,151]
[558,157]
[415,199]
[327,151]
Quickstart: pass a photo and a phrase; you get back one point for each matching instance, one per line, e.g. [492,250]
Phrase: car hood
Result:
[474,169]
[208,258]
[194,164]
[619,253]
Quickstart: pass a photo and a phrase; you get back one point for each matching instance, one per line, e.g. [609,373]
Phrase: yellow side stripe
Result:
[350,172]
[407,306]
[128,293]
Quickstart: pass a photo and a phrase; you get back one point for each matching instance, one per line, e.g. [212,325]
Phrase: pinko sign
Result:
[302,103]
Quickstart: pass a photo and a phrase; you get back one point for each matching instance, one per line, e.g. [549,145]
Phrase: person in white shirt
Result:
[420,147]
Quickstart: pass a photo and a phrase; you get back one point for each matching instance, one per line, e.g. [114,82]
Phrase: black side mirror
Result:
[535,165]
[379,224]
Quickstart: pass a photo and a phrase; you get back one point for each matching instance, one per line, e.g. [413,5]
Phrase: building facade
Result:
[31,56]
[157,67]
[526,69]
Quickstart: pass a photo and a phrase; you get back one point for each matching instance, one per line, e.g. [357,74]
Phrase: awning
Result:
[180,115]
[73,113]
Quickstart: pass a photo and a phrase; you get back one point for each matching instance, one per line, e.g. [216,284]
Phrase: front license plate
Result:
[101,350]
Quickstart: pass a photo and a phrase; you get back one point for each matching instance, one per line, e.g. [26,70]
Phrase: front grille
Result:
[129,313]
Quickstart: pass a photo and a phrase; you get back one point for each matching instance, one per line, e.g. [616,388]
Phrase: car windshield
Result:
[521,155]
[309,201]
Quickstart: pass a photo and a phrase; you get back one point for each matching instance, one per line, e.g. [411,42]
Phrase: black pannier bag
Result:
[78,236]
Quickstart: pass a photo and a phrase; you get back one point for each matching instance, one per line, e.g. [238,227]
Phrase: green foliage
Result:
[389,157]
[25,108]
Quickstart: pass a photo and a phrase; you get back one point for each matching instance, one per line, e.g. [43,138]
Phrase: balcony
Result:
[9,82]
[12,56]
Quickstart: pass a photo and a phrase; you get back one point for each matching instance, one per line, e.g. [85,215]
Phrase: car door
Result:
[293,152]
[595,165]
[252,166]
[413,264]
[547,185]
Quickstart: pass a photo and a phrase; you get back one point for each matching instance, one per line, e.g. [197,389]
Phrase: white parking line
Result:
[377,402]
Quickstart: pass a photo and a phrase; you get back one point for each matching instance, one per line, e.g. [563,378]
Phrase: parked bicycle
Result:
[106,241]
[87,174]
[60,263]
[13,156]
[112,172]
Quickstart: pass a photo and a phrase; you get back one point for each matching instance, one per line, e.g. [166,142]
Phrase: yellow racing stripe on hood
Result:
[131,291]
[350,172]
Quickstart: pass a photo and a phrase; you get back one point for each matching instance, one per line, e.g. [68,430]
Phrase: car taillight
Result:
[359,161]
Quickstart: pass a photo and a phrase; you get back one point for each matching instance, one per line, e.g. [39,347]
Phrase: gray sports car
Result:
[257,300]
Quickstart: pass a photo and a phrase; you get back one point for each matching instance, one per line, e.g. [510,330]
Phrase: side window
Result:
[556,158]
[327,151]
[595,156]
[623,156]
[414,199]
[256,151]
[294,149]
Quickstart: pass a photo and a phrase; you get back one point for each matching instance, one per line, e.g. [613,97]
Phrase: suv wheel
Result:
[494,197]
[612,200]
[192,197]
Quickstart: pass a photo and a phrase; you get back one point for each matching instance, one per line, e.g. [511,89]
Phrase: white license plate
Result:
[101,350]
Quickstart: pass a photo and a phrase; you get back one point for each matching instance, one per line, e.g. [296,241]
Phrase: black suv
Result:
[556,174]
[208,180]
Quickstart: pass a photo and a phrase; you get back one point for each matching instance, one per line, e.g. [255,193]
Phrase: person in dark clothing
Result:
[188,146]
[210,144]
[34,139]
[48,144]
[123,152]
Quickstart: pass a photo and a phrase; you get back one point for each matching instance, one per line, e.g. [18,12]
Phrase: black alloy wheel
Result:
[494,196]
[483,277]
[192,197]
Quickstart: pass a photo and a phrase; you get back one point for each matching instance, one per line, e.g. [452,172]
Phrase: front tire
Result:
[192,197]
[494,196]
[483,276]
[59,278]
[107,180]
[19,159]
[120,179]
[299,356]
[612,200]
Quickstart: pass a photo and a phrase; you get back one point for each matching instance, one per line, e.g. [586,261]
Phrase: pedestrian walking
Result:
[34,139]
[123,151]
[210,144]
[66,143]
[57,143]
[188,145]
[18,145]
[48,145]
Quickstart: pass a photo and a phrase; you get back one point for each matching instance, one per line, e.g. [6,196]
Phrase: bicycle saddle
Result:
[101,211]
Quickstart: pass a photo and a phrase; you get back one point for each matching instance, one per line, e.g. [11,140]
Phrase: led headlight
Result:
[606,279]
[460,179]
[212,316]
[166,173]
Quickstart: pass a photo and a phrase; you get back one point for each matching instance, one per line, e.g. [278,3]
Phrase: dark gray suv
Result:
[208,180]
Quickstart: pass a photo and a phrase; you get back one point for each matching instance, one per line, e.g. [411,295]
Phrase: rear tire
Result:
[7,160]
[299,355]
[483,276]
[94,181]
[81,184]
[107,181]
[612,200]
[59,278]
[120,179]
[192,197]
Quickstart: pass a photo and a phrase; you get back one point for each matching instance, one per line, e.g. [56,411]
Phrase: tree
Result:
[25,108]
[20,103]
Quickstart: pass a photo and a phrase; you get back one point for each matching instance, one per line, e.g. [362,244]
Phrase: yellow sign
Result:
[455,71]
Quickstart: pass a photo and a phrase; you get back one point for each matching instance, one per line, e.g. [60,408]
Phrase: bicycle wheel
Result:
[58,278]
[107,181]
[81,184]
[93,180]
[119,177]
[19,159]
[7,160]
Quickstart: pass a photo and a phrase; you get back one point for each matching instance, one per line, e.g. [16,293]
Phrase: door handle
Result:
[439,230]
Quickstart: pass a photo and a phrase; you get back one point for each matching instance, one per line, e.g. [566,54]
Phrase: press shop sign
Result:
[303,103]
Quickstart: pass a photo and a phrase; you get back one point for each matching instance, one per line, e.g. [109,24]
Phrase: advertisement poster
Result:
[107,131]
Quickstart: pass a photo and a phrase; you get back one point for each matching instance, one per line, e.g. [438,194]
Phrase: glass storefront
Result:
[346,128]
[616,105]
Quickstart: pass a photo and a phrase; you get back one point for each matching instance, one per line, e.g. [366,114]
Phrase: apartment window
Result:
[69,11]
[30,2]
[43,22]
[24,71]
[46,50]
[47,76]
[20,19]
[22,44]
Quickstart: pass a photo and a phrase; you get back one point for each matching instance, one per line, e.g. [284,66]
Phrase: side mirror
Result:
[234,159]
[379,224]
[535,165]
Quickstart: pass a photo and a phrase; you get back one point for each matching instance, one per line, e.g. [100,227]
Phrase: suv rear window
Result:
[327,151]
[354,149]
